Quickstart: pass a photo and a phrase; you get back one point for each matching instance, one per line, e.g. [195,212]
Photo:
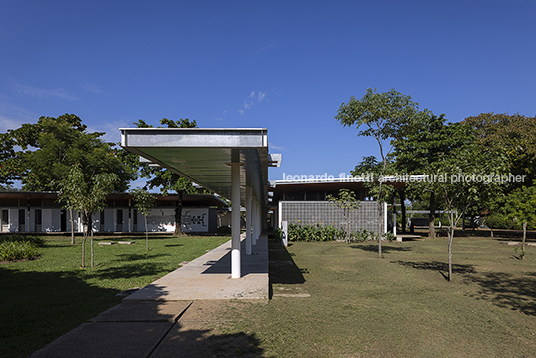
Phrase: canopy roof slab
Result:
[204,155]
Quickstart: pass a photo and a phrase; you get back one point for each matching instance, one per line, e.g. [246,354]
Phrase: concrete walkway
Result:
[162,319]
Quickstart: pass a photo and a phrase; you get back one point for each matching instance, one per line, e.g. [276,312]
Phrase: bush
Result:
[501,221]
[17,250]
[317,232]
[223,231]
[36,240]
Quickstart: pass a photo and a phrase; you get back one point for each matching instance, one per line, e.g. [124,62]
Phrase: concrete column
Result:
[258,222]
[279,213]
[235,220]
[255,220]
[248,220]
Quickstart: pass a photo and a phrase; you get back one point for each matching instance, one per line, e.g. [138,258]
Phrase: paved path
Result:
[168,318]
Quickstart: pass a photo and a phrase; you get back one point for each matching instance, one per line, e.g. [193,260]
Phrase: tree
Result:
[463,176]
[520,206]
[516,135]
[386,117]
[346,202]
[431,140]
[52,146]
[7,155]
[144,202]
[167,180]
[87,195]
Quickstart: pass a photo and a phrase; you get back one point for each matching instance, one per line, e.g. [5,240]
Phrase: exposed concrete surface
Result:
[144,311]
[209,277]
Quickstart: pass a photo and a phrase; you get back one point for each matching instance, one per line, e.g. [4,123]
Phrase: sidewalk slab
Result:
[144,311]
[107,339]
[209,277]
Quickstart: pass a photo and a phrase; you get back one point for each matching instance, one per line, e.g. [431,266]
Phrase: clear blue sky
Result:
[282,65]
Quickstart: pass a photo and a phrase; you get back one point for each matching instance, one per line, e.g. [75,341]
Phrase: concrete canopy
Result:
[204,155]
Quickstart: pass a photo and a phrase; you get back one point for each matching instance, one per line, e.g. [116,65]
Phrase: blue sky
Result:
[282,65]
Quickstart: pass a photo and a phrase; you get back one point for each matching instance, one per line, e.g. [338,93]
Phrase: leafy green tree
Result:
[516,135]
[86,194]
[165,179]
[416,152]
[52,146]
[386,117]
[7,155]
[346,202]
[460,177]
[144,202]
[520,206]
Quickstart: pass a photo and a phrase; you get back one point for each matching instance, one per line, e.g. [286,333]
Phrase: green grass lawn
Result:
[398,306]
[45,298]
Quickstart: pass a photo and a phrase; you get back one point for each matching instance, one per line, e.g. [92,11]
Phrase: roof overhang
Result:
[204,155]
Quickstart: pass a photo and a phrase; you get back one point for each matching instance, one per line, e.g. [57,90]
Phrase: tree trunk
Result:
[381,227]
[431,216]
[178,216]
[84,251]
[402,194]
[451,236]
[524,237]
[72,227]
[146,234]
[92,251]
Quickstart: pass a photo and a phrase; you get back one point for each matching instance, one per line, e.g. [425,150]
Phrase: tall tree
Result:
[167,180]
[431,140]
[386,117]
[52,146]
[144,202]
[87,194]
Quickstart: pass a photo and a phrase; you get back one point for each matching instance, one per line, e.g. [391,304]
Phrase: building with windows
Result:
[41,212]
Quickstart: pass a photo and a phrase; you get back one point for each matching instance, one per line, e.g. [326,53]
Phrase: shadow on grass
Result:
[38,307]
[282,268]
[130,271]
[203,343]
[441,267]
[136,257]
[505,290]
[385,248]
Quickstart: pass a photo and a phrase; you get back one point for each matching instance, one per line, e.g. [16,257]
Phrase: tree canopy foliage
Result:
[48,149]
[386,117]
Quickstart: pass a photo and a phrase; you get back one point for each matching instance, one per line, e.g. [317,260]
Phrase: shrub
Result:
[17,250]
[223,231]
[36,240]
[317,232]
